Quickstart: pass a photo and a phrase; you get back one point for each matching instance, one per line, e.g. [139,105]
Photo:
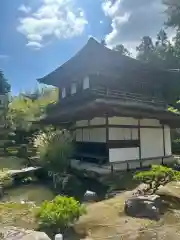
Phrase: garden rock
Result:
[36,236]
[170,190]
[144,207]
[12,233]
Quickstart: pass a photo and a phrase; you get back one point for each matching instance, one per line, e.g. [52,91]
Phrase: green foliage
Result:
[176,145]
[54,148]
[158,174]
[4,85]
[173,110]
[122,50]
[173,12]
[165,54]
[145,49]
[26,108]
[59,213]
[5,178]
[161,52]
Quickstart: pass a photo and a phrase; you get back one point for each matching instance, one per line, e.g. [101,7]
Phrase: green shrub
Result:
[59,213]
[157,175]
[54,148]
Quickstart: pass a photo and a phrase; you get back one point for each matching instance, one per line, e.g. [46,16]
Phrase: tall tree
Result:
[4,85]
[122,50]
[162,52]
[173,13]
[145,49]
[25,108]
[162,38]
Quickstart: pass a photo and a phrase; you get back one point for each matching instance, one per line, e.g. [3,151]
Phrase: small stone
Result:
[90,196]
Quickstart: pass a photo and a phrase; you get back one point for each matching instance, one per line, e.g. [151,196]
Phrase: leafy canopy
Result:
[29,107]
[4,85]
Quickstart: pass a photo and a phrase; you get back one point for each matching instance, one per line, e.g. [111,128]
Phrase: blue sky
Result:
[39,35]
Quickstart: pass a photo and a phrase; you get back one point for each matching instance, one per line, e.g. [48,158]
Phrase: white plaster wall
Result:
[79,135]
[150,122]
[86,82]
[167,136]
[123,154]
[73,88]
[86,135]
[97,121]
[123,133]
[63,93]
[82,123]
[122,121]
[97,135]
[91,135]
[134,134]
[151,140]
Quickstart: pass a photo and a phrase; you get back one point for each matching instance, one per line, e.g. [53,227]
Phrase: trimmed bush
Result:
[158,175]
[59,213]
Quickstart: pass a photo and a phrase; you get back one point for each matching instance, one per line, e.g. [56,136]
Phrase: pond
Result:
[32,193]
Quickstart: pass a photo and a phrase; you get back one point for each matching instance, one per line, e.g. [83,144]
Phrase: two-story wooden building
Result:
[116,106]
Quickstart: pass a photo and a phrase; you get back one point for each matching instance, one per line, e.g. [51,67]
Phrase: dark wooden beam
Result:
[117,126]
[123,143]
[164,149]
[139,138]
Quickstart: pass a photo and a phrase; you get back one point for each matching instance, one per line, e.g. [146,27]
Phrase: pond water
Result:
[33,193]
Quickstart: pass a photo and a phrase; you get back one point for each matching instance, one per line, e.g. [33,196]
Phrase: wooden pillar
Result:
[139,138]
[164,149]
[107,138]
[107,128]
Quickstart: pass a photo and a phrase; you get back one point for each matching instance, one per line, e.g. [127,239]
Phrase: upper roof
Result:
[94,58]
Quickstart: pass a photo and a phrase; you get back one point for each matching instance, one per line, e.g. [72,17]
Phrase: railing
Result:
[118,94]
[107,93]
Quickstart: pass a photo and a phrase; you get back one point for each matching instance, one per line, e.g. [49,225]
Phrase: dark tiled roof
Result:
[94,58]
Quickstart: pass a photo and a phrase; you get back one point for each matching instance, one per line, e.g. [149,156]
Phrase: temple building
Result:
[116,106]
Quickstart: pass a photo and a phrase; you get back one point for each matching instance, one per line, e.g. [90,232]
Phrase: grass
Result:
[19,215]
[11,162]
[106,220]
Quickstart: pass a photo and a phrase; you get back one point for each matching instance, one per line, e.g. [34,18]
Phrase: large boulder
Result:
[12,233]
[170,193]
[144,207]
[36,236]
[171,189]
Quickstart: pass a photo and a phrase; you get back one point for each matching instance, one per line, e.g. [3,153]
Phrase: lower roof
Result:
[101,107]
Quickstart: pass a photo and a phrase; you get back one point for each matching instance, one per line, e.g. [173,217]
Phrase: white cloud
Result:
[133,19]
[24,9]
[54,18]
[101,22]
[3,57]
[35,45]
